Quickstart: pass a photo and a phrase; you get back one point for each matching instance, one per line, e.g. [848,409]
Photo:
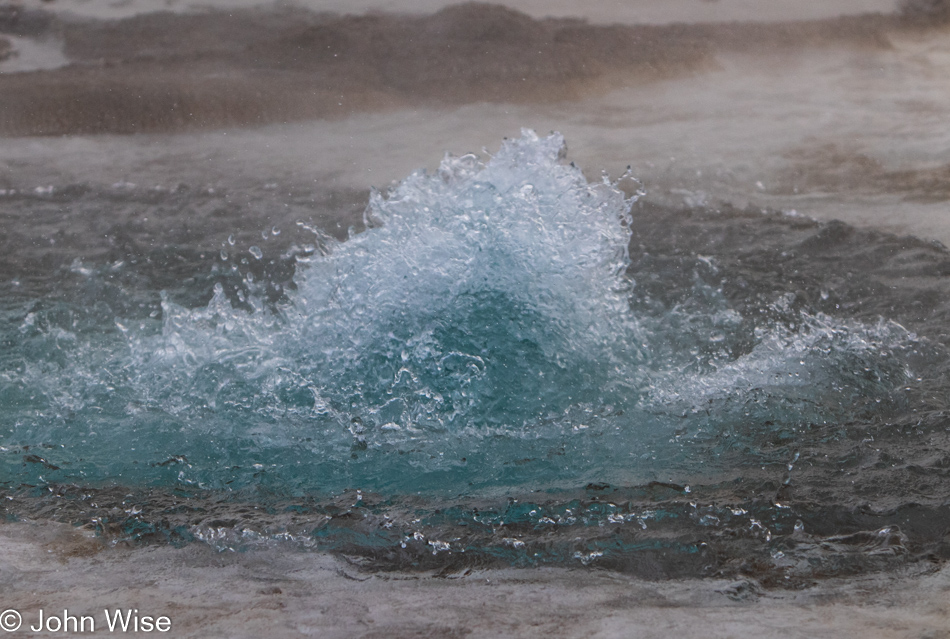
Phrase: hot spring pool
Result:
[507,364]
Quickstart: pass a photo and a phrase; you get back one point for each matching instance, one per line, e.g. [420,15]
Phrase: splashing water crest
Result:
[484,334]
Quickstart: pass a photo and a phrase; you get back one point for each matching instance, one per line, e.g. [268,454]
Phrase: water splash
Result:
[485,334]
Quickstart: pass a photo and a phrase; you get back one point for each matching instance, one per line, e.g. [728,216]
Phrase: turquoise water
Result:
[487,333]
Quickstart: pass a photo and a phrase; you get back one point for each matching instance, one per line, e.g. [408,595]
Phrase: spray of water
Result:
[482,334]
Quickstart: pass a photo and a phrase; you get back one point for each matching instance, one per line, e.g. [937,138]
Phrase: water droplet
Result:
[256,252]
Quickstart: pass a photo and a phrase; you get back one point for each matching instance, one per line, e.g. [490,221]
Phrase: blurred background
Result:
[831,109]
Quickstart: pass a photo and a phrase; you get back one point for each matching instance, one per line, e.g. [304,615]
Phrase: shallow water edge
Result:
[281,595]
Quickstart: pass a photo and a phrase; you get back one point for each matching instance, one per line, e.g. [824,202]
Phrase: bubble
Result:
[491,315]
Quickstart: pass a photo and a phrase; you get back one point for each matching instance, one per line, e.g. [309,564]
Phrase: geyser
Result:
[486,334]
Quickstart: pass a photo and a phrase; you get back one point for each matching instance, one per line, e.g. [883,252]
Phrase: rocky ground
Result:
[52,567]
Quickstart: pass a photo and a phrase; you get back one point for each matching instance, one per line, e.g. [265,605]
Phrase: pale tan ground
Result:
[270,594]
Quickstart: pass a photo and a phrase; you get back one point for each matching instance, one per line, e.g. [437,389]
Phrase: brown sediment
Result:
[833,168]
[924,11]
[167,72]
[159,97]
[172,72]
[17,20]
